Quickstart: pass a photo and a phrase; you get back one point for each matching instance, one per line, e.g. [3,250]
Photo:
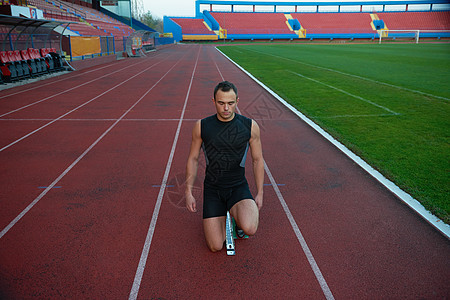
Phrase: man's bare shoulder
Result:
[255,127]
[196,131]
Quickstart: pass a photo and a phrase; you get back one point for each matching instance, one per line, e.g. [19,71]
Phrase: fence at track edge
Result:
[406,198]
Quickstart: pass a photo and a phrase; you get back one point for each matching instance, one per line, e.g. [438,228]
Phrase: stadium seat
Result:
[6,67]
[58,61]
[31,62]
[45,53]
[5,73]
[23,63]
[40,63]
[12,60]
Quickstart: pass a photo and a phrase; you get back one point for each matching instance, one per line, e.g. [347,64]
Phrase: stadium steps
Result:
[378,25]
[301,32]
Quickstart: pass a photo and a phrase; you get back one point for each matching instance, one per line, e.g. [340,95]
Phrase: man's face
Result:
[225,103]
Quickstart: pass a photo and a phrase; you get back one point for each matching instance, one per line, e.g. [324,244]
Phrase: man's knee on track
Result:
[250,229]
[214,246]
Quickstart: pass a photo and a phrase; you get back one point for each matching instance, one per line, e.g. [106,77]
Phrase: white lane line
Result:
[65,91]
[148,240]
[59,80]
[402,195]
[353,75]
[52,185]
[312,262]
[76,108]
[323,284]
[345,92]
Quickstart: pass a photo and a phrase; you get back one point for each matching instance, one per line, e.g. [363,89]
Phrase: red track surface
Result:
[84,237]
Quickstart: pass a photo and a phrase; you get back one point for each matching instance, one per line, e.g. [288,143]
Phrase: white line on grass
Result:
[345,92]
[405,197]
[312,262]
[148,240]
[353,116]
[76,108]
[353,75]
[48,188]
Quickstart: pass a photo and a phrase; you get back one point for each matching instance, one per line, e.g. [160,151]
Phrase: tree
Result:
[152,22]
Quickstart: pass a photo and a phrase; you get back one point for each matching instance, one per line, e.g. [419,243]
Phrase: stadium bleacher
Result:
[326,23]
[52,11]
[84,29]
[360,22]
[193,26]
[90,22]
[252,23]
[434,20]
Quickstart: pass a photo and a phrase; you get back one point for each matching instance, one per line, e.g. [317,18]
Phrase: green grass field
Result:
[387,103]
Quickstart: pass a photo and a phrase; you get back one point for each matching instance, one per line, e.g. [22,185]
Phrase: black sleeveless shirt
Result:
[225,145]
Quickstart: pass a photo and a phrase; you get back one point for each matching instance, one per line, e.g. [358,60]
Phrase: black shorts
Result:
[216,202]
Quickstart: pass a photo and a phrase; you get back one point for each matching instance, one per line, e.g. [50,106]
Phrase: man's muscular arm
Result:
[192,166]
[258,163]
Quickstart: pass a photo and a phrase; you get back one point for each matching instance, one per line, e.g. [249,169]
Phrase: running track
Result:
[92,168]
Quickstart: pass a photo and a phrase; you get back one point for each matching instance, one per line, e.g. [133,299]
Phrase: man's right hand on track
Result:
[191,204]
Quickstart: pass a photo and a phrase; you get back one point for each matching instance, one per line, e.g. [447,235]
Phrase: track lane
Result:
[83,239]
[34,154]
[29,92]
[39,148]
[67,106]
[106,202]
[85,87]
[180,245]
[62,80]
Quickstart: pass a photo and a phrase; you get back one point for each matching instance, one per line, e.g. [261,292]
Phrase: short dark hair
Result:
[225,86]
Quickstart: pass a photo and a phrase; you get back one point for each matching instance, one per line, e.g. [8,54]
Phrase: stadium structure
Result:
[39,36]
[256,20]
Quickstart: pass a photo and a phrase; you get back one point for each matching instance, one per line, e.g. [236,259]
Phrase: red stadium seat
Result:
[18,65]
[31,62]
[8,70]
[25,66]
[49,60]
[40,63]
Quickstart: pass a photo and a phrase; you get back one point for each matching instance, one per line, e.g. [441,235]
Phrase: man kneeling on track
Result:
[225,138]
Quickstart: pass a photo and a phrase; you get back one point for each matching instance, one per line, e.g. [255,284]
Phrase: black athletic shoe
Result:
[238,232]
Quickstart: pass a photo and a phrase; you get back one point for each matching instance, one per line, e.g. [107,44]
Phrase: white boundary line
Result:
[312,262]
[148,240]
[47,189]
[405,197]
[76,108]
